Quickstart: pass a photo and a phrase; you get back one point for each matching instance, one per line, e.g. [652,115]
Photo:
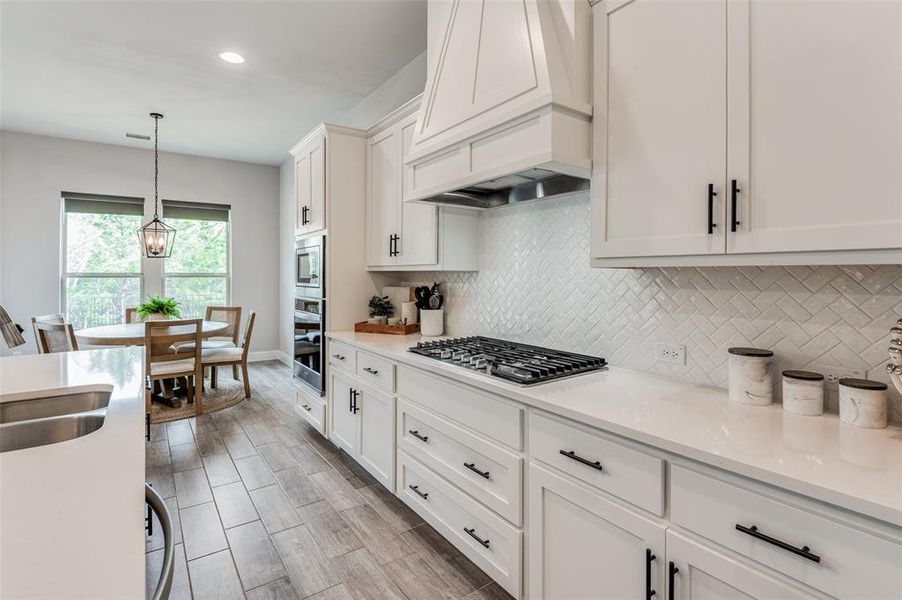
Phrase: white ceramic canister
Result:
[751,376]
[432,322]
[803,393]
[863,403]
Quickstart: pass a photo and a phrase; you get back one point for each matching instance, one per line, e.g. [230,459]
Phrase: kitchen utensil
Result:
[435,301]
[422,295]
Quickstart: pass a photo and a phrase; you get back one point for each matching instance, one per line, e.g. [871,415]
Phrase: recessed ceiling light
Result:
[231,57]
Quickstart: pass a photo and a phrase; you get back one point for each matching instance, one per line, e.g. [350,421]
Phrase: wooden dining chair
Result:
[55,337]
[131,315]
[227,338]
[236,357]
[57,318]
[162,362]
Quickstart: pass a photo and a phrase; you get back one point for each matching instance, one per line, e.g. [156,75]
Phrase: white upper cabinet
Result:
[310,186]
[747,132]
[815,127]
[660,168]
[410,235]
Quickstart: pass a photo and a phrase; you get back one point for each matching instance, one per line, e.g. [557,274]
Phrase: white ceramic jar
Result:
[432,322]
[863,403]
[751,376]
[803,393]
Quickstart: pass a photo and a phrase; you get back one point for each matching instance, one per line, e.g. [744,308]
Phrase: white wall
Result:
[408,82]
[35,169]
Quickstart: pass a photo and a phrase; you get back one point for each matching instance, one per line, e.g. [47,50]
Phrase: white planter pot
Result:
[157,317]
[377,320]
[432,322]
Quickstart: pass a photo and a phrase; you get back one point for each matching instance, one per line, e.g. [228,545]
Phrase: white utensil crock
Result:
[432,322]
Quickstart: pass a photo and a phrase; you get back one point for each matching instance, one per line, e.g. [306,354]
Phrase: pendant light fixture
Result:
[156,238]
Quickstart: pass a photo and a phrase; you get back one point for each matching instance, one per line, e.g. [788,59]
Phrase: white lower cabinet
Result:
[343,427]
[583,545]
[313,409]
[377,439]
[362,424]
[698,572]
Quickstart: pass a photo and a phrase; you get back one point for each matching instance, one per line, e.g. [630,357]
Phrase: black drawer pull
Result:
[804,551]
[307,407]
[649,558]
[672,570]
[472,467]
[572,454]
[338,356]
[147,426]
[416,490]
[416,433]
[371,371]
[472,533]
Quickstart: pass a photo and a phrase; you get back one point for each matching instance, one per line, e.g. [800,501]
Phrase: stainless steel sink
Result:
[51,430]
[53,406]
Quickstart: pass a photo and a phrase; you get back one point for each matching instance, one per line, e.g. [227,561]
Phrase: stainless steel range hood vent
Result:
[535,184]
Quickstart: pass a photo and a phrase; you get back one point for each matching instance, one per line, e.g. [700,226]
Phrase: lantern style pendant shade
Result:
[156,237]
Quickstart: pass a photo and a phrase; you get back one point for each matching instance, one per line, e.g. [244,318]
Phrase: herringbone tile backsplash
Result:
[535,286]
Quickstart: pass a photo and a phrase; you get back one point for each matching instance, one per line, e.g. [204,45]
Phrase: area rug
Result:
[228,392]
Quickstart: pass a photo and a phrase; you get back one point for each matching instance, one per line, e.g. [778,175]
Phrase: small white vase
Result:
[432,322]
[157,317]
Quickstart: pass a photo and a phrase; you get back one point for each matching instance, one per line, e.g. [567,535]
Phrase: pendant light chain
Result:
[156,167]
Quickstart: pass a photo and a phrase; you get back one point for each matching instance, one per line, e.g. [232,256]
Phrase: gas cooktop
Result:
[519,363]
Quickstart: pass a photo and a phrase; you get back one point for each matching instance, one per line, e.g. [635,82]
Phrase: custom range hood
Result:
[507,111]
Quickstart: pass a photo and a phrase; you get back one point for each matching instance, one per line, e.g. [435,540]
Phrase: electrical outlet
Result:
[674,354]
[832,374]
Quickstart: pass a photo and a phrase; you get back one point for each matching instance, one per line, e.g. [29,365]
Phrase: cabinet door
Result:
[377,435]
[418,243]
[302,191]
[317,215]
[343,423]
[383,195]
[699,572]
[310,182]
[660,128]
[582,545]
[815,130]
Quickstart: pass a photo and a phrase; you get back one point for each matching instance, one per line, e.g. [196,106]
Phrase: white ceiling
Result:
[94,70]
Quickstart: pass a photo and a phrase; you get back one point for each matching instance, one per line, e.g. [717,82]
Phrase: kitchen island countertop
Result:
[820,457]
[72,513]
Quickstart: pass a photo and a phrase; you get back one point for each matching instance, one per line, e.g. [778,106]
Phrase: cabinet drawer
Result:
[342,356]
[313,410]
[486,414]
[448,449]
[376,371]
[461,520]
[626,473]
[853,563]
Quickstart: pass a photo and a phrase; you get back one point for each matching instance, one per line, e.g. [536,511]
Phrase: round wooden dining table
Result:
[132,334]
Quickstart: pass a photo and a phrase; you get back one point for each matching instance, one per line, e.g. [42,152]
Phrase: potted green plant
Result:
[380,309]
[157,308]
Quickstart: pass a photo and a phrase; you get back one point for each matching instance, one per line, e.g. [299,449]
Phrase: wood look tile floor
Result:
[265,507]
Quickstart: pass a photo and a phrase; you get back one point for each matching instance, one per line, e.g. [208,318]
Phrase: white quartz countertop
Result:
[820,457]
[72,513]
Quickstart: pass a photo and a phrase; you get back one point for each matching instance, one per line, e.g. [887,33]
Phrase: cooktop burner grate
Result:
[519,363]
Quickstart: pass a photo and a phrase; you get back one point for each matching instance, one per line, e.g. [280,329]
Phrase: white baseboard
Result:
[262,355]
[285,358]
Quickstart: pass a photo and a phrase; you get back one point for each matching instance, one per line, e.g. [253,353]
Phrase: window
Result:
[197,273]
[102,260]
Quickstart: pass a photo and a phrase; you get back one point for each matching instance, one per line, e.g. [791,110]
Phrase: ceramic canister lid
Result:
[755,352]
[804,375]
[862,384]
